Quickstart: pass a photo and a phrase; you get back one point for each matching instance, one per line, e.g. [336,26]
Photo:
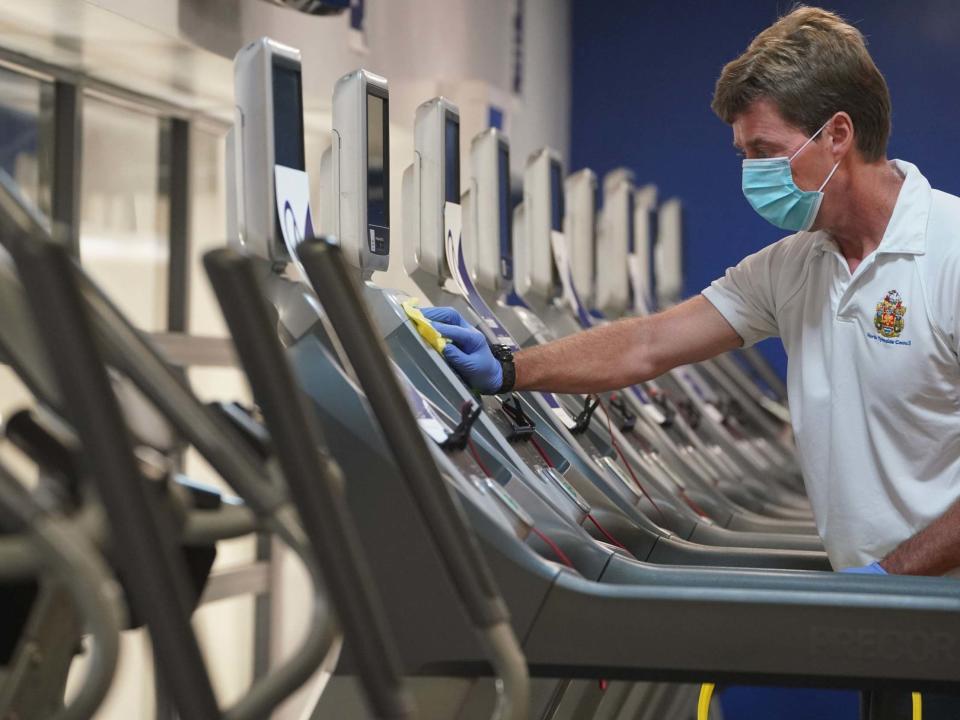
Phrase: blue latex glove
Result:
[467,352]
[871,569]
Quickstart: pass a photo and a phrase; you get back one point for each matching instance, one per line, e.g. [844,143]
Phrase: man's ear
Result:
[841,135]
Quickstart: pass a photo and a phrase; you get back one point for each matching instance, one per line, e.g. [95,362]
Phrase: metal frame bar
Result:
[263,611]
[69,87]
[178,188]
[250,579]
[28,65]
[67,157]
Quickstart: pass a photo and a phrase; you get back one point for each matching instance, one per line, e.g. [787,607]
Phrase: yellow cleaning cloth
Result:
[427,331]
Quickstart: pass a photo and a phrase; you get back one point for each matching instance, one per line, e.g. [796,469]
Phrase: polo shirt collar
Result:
[906,232]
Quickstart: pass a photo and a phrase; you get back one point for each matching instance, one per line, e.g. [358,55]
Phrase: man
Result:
[865,296]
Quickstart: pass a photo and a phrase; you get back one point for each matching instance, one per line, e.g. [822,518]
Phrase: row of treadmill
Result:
[529,555]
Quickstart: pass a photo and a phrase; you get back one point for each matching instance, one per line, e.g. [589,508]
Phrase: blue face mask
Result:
[769,188]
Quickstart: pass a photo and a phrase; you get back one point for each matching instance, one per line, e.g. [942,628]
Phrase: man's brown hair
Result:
[810,64]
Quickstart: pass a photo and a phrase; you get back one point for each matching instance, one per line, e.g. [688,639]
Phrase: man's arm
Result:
[608,357]
[626,352]
[934,550]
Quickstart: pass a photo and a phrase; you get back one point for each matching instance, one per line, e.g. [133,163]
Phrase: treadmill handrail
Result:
[313,478]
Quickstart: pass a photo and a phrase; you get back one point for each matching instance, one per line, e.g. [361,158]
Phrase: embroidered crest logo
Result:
[889,317]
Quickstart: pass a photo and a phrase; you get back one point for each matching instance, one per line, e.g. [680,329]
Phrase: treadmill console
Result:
[267,132]
[488,216]
[432,190]
[359,193]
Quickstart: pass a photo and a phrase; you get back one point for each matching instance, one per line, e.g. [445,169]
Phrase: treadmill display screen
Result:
[505,212]
[287,115]
[556,196]
[378,174]
[451,153]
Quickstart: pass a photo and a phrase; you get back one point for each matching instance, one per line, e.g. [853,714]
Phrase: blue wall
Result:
[643,75]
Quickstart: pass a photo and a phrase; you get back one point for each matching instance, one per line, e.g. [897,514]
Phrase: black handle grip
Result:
[312,480]
[334,284]
[156,579]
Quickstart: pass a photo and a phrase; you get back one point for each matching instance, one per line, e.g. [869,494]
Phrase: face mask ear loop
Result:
[829,176]
[809,140]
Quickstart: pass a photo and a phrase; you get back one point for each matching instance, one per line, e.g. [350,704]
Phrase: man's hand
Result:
[467,352]
[873,568]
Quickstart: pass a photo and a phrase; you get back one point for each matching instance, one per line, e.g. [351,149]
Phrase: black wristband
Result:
[504,356]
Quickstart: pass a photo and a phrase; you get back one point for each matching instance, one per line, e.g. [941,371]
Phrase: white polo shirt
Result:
[873,373]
